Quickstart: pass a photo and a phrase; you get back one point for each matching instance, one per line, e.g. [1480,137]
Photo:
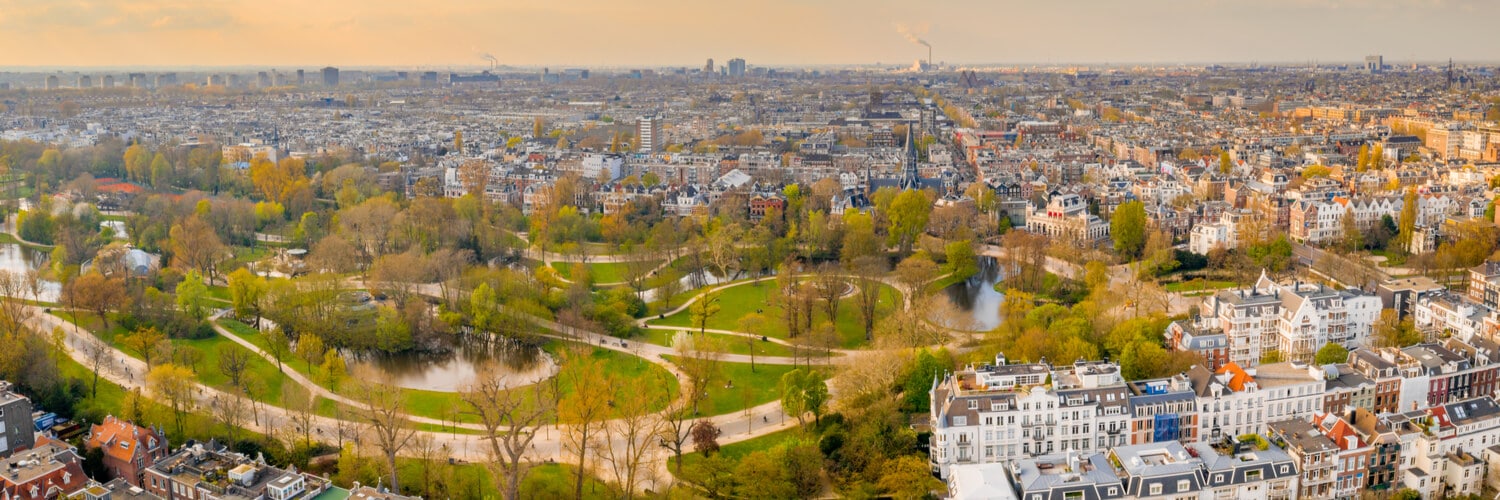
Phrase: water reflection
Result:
[972,304]
[453,368]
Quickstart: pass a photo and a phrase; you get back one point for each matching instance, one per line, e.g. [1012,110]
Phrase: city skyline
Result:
[237,33]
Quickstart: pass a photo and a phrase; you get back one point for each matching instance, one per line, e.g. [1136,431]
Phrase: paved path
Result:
[129,372]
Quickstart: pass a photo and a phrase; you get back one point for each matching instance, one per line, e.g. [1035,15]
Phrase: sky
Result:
[438,34]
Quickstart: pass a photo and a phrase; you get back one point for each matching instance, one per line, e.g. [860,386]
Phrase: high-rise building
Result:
[1374,64]
[109,81]
[301,79]
[736,67]
[263,79]
[164,80]
[137,80]
[331,76]
[85,81]
[709,68]
[648,130]
[52,82]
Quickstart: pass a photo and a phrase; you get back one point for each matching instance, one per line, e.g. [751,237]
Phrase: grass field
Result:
[443,405]
[207,369]
[763,385]
[733,344]
[738,301]
[736,451]
[1197,286]
[602,272]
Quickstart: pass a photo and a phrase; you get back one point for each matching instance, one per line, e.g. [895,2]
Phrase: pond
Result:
[972,304]
[18,259]
[455,368]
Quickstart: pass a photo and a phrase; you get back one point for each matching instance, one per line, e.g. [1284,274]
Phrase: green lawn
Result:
[602,272]
[206,369]
[441,405]
[738,450]
[1197,286]
[733,344]
[738,301]
[763,386]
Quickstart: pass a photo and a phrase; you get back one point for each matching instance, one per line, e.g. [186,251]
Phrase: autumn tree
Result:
[584,409]
[704,309]
[174,386]
[1408,222]
[146,342]
[706,437]
[195,245]
[95,292]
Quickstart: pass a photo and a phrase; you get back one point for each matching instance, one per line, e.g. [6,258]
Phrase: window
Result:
[1184,485]
[1254,475]
[1073,495]
[1156,489]
[973,404]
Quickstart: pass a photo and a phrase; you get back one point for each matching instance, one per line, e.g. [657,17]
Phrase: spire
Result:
[909,176]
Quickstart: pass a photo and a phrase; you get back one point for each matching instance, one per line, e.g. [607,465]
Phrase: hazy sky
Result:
[440,33]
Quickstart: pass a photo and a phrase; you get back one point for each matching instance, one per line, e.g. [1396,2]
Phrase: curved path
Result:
[129,372]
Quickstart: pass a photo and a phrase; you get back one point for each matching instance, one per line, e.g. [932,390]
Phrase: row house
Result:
[200,471]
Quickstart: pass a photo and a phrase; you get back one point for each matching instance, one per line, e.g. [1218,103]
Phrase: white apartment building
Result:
[1002,412]
[1293,319]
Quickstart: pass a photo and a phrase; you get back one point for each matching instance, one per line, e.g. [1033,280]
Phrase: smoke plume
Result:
[914,33]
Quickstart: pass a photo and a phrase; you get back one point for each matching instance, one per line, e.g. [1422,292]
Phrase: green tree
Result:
[908,217]
[704,309]
[310,349]
[1128,227]
[247,290]
[1332,354]
[803,392]
[192,294]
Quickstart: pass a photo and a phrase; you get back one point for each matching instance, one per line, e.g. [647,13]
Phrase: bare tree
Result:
[868,268]
[384,416]
[301,406]
[231,411]
[510,418]
[232,363]
[629,437]
[829,285]
[98,354]
[698,358]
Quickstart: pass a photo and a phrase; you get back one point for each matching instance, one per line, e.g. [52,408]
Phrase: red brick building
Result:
[128,448]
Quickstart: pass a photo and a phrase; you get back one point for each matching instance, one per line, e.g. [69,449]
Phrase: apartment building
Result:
[1003,412]
[1292,319]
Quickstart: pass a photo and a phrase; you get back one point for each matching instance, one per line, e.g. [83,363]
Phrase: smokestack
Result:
[929,54]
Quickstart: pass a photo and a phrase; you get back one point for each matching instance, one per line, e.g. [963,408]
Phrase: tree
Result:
[310,349]
[803,392]
[706,437]
[1316,171]
[585,408]
[95,292]
[301,405]
[704,309]
[753,324]
[908,477]
[384,415]
[867,298]
[510,418]
[195,245]
[232,363]
[915,271]
[173,385]
[145,341]
[333,369]
[908,218]
[631,437]
[829,286]
[278,344]
[98,354]
[191,295]
[1408,222]
[699,359]
[1128,227]
[1226,164]
[231,412]
[1332,354]
[1391,331]
[247,291]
